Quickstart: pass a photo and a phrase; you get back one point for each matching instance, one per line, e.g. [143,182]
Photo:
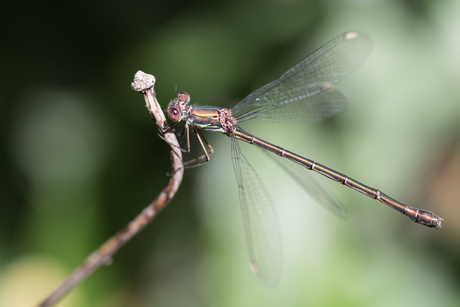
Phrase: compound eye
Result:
[183,97]
[174,114]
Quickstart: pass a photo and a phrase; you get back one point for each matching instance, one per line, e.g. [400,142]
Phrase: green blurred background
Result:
[80,156]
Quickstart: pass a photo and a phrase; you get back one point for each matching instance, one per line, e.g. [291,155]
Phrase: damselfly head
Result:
[183,98]
[177,105]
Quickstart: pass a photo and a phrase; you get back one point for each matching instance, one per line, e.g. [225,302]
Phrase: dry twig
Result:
[143,83]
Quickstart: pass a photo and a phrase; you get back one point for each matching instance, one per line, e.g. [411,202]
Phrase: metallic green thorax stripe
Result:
[206,118]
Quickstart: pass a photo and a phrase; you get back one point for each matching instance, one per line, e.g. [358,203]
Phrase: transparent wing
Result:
[310,185]
[261,225]
[315,74]
[316,108]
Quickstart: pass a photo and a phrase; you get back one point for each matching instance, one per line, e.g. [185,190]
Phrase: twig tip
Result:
[142,82]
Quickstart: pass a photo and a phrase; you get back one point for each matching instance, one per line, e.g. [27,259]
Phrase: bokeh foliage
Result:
[80,157]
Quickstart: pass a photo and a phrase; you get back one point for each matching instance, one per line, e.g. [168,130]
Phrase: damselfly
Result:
[304,93]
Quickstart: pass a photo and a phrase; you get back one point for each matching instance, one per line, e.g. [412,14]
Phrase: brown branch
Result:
[143,83]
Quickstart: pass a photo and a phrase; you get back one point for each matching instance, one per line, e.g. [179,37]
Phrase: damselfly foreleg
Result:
[205,147]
